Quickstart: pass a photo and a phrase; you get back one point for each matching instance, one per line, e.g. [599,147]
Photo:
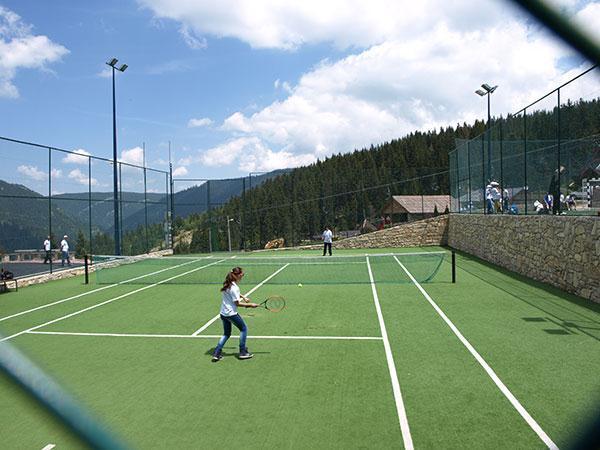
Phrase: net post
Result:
[87,271]
[453,267]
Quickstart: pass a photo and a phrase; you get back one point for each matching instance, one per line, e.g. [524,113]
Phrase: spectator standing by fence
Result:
[64,251]
[47,249]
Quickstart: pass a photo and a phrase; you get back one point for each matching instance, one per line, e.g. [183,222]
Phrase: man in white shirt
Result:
[47,247]
[327,240]
[64,249]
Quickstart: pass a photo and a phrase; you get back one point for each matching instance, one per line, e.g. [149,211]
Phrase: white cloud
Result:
[345,23]
[82,178]
[589,19]
[414,66]
[204,122]
[397,87]
[284,85]
[237,122]
[105,73]
[250,154]
[133,156]
[32,172]
[180,171]
[192,41]
[20,49]
[79,156]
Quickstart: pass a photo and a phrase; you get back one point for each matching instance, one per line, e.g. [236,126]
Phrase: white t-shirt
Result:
[47,245]
[327,236]
[229,297]
[64,245]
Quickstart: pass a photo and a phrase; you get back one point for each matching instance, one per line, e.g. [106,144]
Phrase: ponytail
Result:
[231,277]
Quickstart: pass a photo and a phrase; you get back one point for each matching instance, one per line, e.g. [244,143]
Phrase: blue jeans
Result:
[65,256]
[240,325]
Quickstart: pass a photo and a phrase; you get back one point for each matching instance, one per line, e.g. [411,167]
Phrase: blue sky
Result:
[243,86]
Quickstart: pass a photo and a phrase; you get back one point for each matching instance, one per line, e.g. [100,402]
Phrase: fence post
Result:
[526,187]
[244,213]
[90,201]
[469,175]
[558,139]
[485,206]
[50,202]
[86,266]
[502,168]
[453,266]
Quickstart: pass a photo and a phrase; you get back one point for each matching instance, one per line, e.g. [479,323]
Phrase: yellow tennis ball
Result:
[299,284]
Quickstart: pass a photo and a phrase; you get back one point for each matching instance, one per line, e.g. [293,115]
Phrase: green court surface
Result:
[371,351]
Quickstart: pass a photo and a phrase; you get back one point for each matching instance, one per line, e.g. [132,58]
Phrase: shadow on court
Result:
[559,308]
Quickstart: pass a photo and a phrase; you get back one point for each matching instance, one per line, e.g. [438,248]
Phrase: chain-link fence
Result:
[47,192]
[544,159]
[223,215]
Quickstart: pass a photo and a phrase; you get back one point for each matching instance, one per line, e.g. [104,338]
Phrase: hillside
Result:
[24,218]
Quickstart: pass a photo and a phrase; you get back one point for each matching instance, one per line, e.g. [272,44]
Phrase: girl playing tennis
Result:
[231,299]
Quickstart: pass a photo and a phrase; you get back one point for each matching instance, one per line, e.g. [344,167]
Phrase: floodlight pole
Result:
[488,90]
[489,141]
[112,64]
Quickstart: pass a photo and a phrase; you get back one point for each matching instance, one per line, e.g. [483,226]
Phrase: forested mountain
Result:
[195,199]
[345,189]
[24,218]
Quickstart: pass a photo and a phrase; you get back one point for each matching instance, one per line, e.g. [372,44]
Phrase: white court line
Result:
[211,321]
[91,292]
[511,398]
[109,301]
[49,447]
[205,336]
[404,428]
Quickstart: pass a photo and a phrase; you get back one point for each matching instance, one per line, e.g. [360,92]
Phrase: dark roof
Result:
[416,204]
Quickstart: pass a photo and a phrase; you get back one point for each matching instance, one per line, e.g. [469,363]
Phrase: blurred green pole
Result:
[47,392]
[587,45]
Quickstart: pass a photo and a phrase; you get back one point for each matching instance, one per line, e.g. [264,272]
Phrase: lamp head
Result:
[123,67]
[480,92]
[488,88]
[112,62]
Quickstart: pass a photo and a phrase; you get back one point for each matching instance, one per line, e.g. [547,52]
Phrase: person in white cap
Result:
[64,249]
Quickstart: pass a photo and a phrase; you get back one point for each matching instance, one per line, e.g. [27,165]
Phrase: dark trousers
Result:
[65,256]
[48,257]
[327,246]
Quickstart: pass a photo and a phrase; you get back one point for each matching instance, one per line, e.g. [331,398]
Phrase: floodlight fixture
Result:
[122,68]
[480,92]
[488,88]
[112,62]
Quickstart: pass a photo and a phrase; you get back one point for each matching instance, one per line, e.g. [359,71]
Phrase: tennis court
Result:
[375,349]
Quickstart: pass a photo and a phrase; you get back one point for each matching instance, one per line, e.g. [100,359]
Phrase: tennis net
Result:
[306,270]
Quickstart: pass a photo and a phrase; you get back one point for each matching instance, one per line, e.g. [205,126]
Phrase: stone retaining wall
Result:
[563,251]
[433,231]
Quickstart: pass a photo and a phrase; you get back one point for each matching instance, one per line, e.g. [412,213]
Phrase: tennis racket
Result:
[274,303]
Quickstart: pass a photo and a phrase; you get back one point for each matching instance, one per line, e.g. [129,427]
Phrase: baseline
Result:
[203,336]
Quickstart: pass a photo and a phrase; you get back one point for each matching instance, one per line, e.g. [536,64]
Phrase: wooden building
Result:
[406,208]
